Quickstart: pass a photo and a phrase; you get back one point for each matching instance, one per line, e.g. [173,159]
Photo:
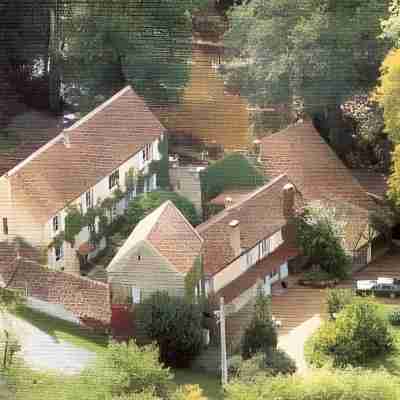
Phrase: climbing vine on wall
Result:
[193,277]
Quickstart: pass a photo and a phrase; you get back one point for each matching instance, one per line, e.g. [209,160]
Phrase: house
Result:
[83,166]
[250,243]
[315,170]
[158,255]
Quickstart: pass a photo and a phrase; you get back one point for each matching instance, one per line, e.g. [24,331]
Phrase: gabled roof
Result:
[168,231]
[300,152]
[34,129]
[99,143]
[260,214]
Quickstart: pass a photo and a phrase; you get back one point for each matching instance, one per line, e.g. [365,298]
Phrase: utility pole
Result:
[221,320]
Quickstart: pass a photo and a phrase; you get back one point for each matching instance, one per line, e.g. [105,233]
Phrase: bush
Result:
[337,299]
[359,333]
[175,324]
[394,317]
[188,392]
[260,335]
[278,362]
[324,384]
[321,237]
[144,204]
[233,171]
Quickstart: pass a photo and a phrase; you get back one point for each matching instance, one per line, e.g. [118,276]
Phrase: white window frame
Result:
[113,179]
[249,259]
[136,295]
[56,223]
[89,199]
[61,255]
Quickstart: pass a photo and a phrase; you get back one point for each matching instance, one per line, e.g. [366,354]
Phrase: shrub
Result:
[323,384]
[188,392]
[321,237]
[261,334]
[233,171]
[359,333]
[144,204]
[394,317]
[175,324]
[234,364]
[337,299]
[278,362]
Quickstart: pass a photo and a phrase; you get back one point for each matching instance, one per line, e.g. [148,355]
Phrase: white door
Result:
[284,271]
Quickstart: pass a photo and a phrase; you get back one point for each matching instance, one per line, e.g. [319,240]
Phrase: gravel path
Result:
[293,342]
[44,352]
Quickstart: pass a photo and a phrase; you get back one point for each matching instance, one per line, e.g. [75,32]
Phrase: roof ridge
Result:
[99,108]
[163,207]
[250,196]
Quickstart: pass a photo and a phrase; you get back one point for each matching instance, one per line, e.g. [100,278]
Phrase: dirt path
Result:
[44,352]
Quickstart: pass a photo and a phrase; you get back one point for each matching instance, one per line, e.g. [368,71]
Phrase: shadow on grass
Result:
[62,330]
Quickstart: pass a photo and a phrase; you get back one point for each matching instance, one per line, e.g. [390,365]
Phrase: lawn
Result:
[210,384]
[63,330]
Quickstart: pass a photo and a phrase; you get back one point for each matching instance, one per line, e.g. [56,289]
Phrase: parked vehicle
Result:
[379,287]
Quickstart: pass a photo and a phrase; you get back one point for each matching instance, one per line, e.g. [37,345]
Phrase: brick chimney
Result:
[235,236]
[288,210]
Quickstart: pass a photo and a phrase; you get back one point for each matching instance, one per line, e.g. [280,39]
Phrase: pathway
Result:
[43,351]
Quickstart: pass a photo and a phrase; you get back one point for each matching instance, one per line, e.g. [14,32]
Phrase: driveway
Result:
[44,352]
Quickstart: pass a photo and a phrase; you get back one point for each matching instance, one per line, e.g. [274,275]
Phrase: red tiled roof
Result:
[300,152]
[259,271]
[260,214]
[99,143]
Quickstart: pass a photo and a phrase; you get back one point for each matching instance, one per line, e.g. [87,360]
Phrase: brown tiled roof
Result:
[260,214]
[300,152]
[316,171]
[99,143]
[34,129]
[258,271]
[372,182]
[235,195]
[168,231]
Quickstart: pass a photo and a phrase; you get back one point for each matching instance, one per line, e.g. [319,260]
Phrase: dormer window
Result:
[113,179]
[55,223]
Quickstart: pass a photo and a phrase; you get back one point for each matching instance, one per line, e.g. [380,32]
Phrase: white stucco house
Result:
[81,166]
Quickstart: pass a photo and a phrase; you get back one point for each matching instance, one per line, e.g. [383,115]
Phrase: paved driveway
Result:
[42,351]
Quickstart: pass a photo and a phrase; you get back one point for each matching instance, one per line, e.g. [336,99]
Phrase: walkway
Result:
[44,352]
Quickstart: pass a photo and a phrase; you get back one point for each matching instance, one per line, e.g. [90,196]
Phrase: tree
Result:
[109,44]
[176,326]
[320,235]
[318,52]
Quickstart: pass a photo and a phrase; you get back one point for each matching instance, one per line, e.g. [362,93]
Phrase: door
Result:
[284,270]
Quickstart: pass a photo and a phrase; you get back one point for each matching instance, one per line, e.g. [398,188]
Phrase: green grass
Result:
[210,384]
[63,330]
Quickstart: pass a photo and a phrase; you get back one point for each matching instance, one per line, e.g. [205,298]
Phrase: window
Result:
[113,179]
[249,260]
[136,295]
[89,199]
[147,152]
[59,253]
[92,228]
[55,223]
[5,225]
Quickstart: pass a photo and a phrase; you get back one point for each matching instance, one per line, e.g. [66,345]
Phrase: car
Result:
[379,287]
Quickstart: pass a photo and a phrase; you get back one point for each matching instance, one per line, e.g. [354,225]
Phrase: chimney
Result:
[289,230]
[228,202]
[235,236]
[67,142]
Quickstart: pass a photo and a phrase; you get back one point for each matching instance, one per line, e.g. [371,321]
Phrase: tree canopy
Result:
[316,52]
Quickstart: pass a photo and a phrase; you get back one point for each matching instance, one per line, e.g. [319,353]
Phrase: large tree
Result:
[318,52]
[108,44]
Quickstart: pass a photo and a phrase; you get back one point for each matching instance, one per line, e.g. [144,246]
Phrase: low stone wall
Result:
[87,299]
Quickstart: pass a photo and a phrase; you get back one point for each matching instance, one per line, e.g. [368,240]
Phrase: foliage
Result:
[320,52]
[394,317]
[188,392]
[73,224]
[127,42]
[261,333]
[192,278]
[10,347]
[127,368]
[320,235]
[175,324]
[333,385]
[337,299]
[163,164]
[10,299]
[232,172]
[144,204]
[387,94]
[317,276]
[359,333]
